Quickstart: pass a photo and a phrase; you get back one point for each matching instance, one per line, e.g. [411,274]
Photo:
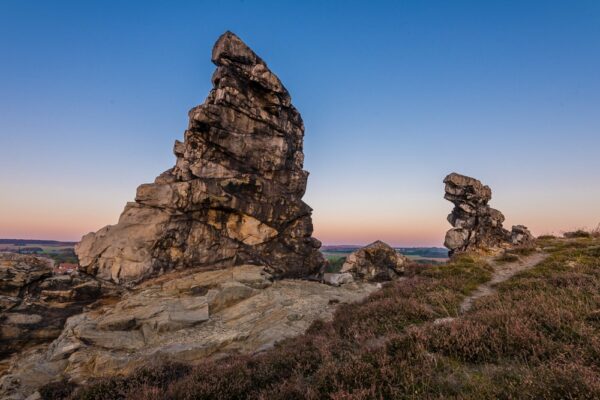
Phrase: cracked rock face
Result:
[34,303]
[477,226]
[235,194]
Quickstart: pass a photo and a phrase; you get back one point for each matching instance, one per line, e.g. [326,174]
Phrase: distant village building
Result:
[65,268]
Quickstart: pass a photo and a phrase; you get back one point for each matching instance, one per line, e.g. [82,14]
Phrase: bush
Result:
[335,263]
[580,233]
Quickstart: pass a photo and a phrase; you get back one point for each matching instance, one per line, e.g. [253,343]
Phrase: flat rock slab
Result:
[185,317]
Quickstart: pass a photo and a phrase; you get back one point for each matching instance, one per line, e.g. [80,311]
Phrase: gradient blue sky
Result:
[394,95]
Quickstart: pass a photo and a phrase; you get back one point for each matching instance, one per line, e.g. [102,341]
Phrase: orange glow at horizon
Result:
[420,222]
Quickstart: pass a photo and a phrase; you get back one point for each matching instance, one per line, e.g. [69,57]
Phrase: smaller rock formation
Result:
[337,279]
[375,262]
[477,226]
[521,236]
[34,303]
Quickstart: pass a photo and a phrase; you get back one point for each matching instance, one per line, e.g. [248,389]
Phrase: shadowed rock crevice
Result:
[34,302]
[235,193]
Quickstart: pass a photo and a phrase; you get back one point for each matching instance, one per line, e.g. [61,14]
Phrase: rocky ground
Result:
[182,316]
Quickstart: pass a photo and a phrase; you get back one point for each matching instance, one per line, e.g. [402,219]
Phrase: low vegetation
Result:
[583,233]
[335,263]
[537,336]
[580,233]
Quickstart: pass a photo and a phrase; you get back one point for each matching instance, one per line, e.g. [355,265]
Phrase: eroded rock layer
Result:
[34,302]
[183,316]
[234,195]
[477,226]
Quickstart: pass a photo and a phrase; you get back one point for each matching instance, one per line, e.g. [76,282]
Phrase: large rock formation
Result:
[477,226]
[234,195]
[375,262]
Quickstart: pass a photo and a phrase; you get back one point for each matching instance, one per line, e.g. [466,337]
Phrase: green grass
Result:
[335,262]
[59,253]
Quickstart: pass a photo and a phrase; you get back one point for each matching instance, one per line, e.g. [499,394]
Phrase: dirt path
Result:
[502,272]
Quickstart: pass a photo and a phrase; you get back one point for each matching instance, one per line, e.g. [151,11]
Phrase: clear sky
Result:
[394,95]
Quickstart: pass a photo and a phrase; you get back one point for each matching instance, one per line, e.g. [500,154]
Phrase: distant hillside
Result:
[61,252]
[28,242]
[424,252]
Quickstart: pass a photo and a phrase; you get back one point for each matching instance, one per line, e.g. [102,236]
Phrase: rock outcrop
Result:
[521,236]
[376,262]
[234,195]
[34,303]
[182,316]
[477,226]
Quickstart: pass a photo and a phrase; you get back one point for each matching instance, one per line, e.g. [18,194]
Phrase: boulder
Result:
[476,226]
[235,193]
[334,279]
[375,262]
[521,236]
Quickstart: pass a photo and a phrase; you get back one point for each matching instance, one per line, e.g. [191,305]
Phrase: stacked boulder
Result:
[235,194]
[477,226]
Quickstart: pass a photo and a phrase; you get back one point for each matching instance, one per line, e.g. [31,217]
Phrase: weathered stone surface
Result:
[185,316]
[234,195]
[34,303]
[19,270]
[375,262]
[521,236]
[476,226]
[337,279]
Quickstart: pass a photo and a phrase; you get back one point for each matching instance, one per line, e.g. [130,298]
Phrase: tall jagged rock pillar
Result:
[235,194]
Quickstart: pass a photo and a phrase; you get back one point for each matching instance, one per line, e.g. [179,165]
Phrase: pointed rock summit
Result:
[235,194]
[477,226]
